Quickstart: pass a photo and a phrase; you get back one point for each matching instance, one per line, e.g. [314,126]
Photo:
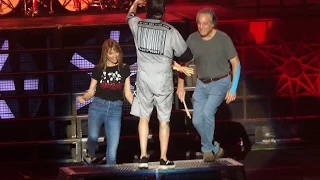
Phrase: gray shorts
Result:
[146,98]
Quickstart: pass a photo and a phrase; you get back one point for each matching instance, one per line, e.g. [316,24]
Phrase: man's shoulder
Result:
[194,35]
[153,24]
[168,25]
[223,34]
[132,16]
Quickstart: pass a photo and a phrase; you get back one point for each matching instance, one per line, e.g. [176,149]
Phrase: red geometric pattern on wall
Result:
[296,67]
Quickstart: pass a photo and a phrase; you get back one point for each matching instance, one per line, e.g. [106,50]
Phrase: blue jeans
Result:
[109,114]
[207,98]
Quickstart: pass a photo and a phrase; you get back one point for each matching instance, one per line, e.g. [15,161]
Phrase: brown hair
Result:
[107,46]
[155,9]
[210,11]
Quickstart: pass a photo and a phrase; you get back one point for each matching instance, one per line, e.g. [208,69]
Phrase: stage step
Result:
[224,168]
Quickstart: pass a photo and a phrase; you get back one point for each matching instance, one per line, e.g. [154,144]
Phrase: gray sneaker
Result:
[219,154]
[208,157]
[211,157]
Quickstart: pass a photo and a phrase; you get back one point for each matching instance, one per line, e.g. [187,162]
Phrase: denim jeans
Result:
[207,98]
[109,114]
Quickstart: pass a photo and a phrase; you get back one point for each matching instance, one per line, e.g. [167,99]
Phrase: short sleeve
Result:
[178,44]
[96,74]
[231,50]
[189,41]
[133,20]
[126,72]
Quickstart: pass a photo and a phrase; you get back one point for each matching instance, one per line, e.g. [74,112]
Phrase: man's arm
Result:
[180,89]
[182,75]
[185,60]
[132,18]
[180,48]
[182,69]
[185,57]
[236,68]
[134,6]
[232,57]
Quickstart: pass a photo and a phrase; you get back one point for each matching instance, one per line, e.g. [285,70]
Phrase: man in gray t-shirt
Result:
[213,53]
[212,56]
[156,42]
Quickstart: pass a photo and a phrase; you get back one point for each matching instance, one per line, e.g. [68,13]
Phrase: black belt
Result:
[209,80]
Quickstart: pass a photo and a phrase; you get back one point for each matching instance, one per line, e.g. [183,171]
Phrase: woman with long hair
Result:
[110,78]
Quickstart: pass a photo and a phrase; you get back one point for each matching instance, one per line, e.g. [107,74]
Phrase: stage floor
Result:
[184,169]
[285,164]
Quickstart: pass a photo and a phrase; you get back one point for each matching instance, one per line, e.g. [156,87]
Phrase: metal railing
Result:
[75,128]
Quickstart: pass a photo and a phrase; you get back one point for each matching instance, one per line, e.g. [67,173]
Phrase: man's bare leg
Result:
[143,136]
[164,133]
